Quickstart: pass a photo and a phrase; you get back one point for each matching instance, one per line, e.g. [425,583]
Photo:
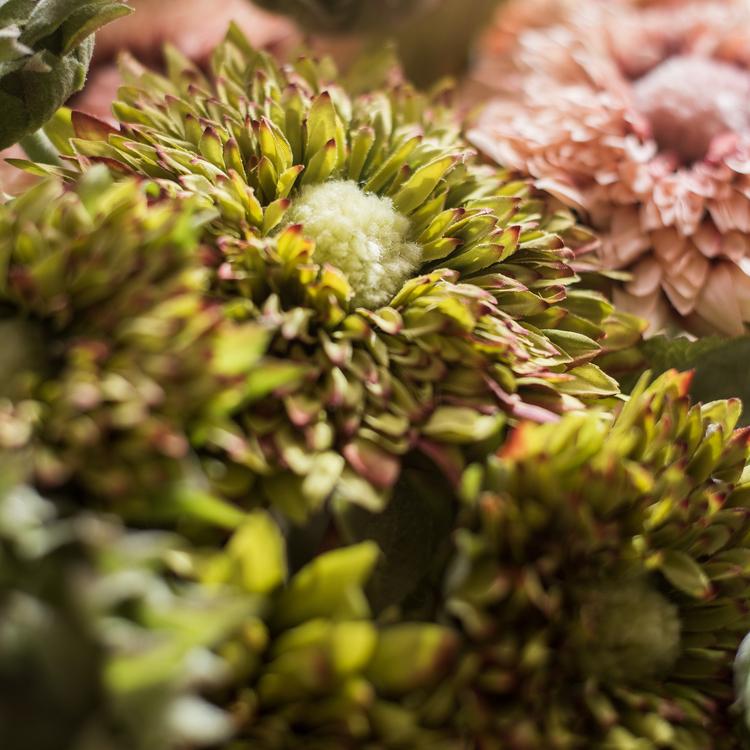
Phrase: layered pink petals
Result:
[640,119]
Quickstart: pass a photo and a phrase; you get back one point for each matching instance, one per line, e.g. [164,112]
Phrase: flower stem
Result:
[38,147]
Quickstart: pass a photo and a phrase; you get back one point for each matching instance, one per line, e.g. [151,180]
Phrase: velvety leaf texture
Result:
[45,51]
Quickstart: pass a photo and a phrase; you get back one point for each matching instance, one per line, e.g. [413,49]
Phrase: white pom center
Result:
[362,235]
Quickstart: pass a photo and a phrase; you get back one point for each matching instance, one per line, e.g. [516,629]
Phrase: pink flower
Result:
[640,118]
[195,27]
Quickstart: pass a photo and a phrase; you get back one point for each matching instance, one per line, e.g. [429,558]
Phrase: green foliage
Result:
[97,649]
[45,50]
[721,366]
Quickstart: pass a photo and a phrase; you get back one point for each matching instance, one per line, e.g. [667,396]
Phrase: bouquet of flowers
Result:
[335,412]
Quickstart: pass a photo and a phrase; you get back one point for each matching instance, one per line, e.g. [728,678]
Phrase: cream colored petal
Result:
[647,278]
[742,291]
[669,246]
[625,238]
[684,279]
[683,303]
[735,246]
[722,215]
[708,239]
[718,303]
[497,149]
[652,308]
[565,192]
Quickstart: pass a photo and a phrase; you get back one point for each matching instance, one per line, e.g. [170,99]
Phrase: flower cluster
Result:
[424,295]
[309,436]
[601,574]
[110,333]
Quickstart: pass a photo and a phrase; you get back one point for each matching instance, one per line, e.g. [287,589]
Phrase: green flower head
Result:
[141,641]
[602,578]
[102,296]
[310,667]
[425,296]
[45,50]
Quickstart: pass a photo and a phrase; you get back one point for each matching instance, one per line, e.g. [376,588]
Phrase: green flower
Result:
[602,579]
[428,302]
[310,668]
[102,296]
[120,640]
[45,50]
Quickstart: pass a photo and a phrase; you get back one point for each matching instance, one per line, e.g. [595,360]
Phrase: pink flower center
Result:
[690,100]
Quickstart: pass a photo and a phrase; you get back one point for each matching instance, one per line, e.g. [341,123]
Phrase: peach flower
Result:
[640,118]
[195,27]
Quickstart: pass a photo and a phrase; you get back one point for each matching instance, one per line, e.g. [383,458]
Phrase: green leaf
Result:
[421,184]
[411,531]
[45,51]
[721,366]
[259,548]
[458,424]
[196,504]
[588,380]
[239,349]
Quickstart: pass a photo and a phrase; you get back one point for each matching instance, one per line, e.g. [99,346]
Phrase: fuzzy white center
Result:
[690,100]
[362,235]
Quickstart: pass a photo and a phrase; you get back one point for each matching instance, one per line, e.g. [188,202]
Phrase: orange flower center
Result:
[690,100]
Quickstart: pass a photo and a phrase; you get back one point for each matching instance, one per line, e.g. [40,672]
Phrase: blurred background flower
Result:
[195,27]
[639,118]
